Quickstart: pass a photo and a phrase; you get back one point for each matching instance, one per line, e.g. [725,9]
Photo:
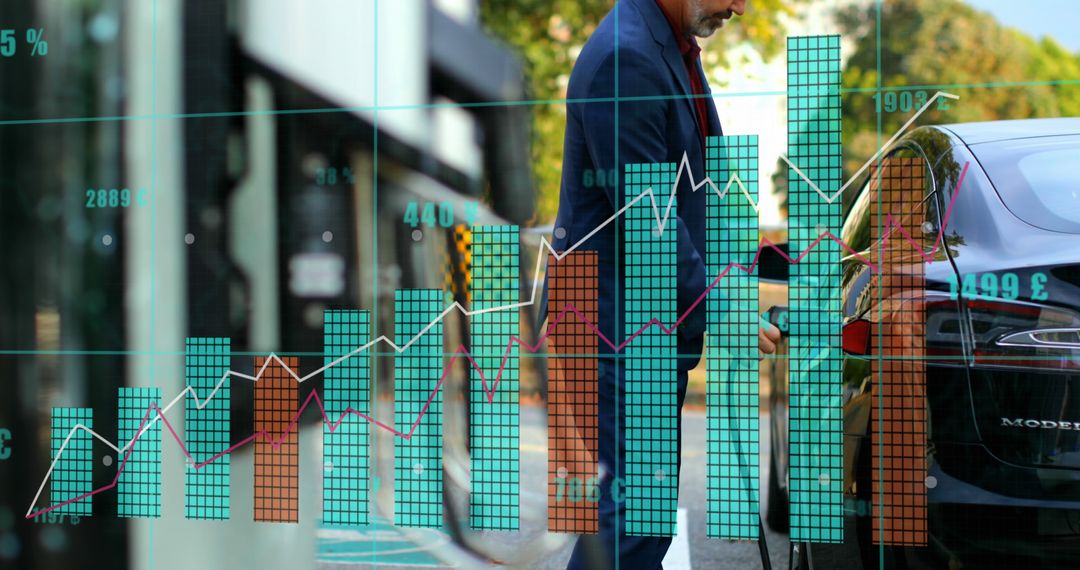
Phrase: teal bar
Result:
[815,425]
[493,426]
[346,448]
[139,484]
[418,473]
[652,479]
[206,362]
[72,476]
[731,346]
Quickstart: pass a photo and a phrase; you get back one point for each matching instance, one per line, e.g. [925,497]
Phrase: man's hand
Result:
[768,336]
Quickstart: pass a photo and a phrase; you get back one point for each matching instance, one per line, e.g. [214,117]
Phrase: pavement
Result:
[703,552]
[386,547]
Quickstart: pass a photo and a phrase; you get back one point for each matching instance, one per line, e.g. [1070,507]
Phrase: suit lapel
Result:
[665,38]
[714,119]
[675,63]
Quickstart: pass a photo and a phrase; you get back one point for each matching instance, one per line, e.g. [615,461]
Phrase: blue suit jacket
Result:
[652,121]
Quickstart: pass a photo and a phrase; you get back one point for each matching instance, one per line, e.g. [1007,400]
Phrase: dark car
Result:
[991,347]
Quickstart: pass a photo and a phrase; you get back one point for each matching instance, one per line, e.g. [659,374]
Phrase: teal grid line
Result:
[206,490]
[139,484]
[72,475]
[731,399]
[815,424]
[718,95]
[418,473]
[652,479]
[375,300]
[346,450]
[153,219]
[494,427]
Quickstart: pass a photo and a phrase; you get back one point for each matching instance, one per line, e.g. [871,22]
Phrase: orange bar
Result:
[277,479]
[899,447]
[573,485]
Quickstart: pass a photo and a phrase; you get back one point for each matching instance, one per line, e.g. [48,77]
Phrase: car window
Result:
[899,191]
[1036,180]
[856,229]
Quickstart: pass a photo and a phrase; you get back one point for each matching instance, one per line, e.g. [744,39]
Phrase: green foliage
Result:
[548,34]
[949,46]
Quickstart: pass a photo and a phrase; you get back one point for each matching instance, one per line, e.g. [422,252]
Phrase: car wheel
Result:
[777,510]
[832,557]
[842,556]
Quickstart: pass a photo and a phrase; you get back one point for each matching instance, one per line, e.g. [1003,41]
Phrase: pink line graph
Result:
[490,392]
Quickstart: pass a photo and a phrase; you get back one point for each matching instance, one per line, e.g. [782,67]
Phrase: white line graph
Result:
[661,223]
[884,147]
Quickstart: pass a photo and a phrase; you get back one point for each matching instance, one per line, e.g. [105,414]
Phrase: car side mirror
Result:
[773,266]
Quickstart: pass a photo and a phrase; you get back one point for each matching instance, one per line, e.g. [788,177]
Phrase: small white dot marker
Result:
[328,236]
[417,235]
[189,239]
[106,460]
[106,240]
[931,481]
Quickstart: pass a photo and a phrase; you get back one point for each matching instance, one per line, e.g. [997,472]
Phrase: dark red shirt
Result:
[691,52]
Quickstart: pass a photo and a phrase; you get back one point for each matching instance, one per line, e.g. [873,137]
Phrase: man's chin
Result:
[708,27]
[706,30]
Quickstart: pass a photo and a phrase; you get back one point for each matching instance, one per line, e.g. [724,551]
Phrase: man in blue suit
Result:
[638,95]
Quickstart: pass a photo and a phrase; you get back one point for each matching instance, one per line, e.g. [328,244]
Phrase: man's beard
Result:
[703,24]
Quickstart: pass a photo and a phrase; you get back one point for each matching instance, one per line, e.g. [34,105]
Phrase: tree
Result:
[998,72]
[548,35]
[949,44]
